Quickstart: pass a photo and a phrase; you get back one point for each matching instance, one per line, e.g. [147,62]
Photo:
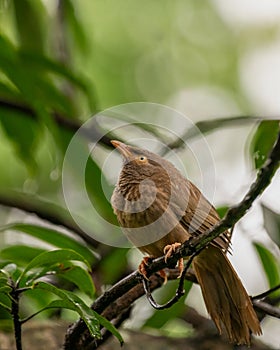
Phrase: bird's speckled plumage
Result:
[187,209]
[157,207]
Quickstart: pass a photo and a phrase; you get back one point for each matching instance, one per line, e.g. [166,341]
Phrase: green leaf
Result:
[28,279]
[34,299]
[272,224]
[222,211]
[5,301]
[75,26]
[46,209]
[108,325]
[80,278]
[270,265]
[30,74]
[7,53]
[263,141]
[9,270]
[46,64]
[5,289]
[92,176]
[53,237]
[53,257]
[66,304]
[8,92]
[21,254]
[73,302]
[23,133]
[114,265]
[3,279]
[30,31]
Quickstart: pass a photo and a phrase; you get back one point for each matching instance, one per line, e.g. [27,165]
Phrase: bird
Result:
[159,209]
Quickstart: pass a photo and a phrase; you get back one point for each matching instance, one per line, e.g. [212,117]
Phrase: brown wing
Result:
[200,216]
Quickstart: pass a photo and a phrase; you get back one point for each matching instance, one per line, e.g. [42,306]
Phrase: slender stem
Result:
[24,289]
[207,126]
[266,293]
[15,314]
[267,308]
[23,320]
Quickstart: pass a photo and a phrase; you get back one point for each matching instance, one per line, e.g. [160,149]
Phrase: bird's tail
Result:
[225,297]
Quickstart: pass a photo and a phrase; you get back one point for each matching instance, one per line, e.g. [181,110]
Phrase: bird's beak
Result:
[123,149]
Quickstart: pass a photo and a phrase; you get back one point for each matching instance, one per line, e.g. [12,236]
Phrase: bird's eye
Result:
[142,158]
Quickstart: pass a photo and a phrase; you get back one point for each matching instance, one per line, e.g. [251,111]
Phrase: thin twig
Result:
[265,294]
[267,308]
[206,126]
[14,296]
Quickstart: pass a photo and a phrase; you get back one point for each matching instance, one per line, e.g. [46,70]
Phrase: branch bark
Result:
[267,308]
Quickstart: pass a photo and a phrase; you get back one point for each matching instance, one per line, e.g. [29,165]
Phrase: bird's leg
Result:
[142,269]
[168,250]
[163,275]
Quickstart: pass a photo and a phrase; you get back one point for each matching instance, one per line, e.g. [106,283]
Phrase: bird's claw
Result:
[180,267]
[169,250]
[142,269]
[163,275]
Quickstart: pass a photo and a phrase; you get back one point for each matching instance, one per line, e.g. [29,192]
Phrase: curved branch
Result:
[73,125]
[76,334]
[206,126]
[48,211]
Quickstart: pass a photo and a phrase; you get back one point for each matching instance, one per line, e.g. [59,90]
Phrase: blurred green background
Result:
[61,62]
[76,58]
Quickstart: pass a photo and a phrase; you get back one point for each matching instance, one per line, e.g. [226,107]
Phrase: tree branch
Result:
[93,135]
[265,294]
[267,308]
[76,334]
[206,126]
[48,211]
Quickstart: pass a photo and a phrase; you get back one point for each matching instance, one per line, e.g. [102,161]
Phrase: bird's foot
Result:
[180,267]
[163,275]
[142,269]
[169,250]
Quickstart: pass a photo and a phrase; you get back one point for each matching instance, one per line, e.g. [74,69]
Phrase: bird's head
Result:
[140,162]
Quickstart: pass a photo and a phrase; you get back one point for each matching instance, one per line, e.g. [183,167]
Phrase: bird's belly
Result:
[150,230]
[150,233]
[178,234]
